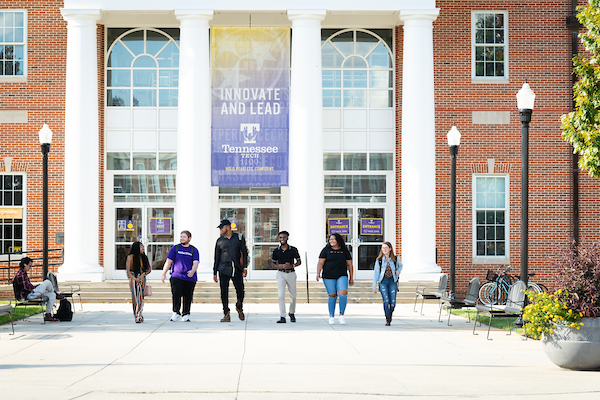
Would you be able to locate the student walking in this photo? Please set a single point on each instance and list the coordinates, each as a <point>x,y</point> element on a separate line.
<point>137,267</point>
<point>231,261</point>
<point>335,261</point>
<point>385,276</point>
<point>184,259</point>
<point>285,258</point>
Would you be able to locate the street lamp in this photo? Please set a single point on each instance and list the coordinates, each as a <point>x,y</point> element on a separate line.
<point>45,141</point>
<point>525,100</point>
<point>453,143</point>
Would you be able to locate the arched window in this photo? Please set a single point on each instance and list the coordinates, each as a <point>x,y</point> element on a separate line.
<point>142,70</point>
<point>358,100</point>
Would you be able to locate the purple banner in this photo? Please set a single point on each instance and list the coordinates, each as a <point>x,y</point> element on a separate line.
<point>160,226</point>
<point>250,95</point>
<point>371,226</point>
<point>338,225</point>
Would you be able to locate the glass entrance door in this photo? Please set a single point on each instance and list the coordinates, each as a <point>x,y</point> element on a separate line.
<point>260,226</point>
<point>151,225</point>
<point>363,230</point>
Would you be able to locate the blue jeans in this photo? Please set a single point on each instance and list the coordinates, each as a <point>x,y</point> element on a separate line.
<point>334,286</point>
<point>388,289</point>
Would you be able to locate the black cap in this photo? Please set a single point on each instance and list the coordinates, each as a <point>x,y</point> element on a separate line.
<point>223,223</point>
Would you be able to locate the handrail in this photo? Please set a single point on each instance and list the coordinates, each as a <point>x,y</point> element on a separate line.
<point>6,265</point>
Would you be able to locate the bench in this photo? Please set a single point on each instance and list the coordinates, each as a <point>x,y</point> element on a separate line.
<point>20,301</point>
<point>6,309</point>
<point>68,294</point>
<point>513,307</point>
<point>458,301</point>
<point>431,293</point>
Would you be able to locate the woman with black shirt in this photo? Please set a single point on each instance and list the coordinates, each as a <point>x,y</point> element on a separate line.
<point>137,267</point>
<point>335,261</point>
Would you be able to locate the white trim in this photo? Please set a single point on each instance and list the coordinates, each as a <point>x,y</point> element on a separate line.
<point>487,79</point>
<point>490,259</point>
<point>18,78</point>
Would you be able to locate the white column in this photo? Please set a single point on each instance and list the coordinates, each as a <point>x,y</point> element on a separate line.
<point>306,207</point>
<point>418,145</point>
<point>81,190</point>
<point>194,194</point>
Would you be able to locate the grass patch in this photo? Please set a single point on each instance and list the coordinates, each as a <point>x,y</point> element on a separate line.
<point>20,313</point>
<point>499,323</point>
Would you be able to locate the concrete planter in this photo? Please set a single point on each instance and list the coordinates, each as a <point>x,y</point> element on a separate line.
<point>575,349</point>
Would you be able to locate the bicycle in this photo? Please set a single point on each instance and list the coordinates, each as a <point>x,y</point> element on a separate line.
<point>535,287</point>
<point>496,290</point>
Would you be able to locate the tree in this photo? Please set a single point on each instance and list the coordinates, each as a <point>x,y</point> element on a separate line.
<point>581,127</point>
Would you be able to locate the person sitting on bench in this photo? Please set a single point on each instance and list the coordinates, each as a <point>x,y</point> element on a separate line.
<point>29,292</point>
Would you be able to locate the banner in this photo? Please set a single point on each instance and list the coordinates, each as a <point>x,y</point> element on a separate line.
<point>338,225</point>
<point>250,96</point>
<point>371,226</point>
<point>160,226</point>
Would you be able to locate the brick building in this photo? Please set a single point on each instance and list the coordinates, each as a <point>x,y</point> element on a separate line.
<point>163,119</point>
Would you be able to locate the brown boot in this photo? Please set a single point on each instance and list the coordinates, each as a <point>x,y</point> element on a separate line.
<point>241,314</point>
<point>226,318</point>
<point>49,318</point>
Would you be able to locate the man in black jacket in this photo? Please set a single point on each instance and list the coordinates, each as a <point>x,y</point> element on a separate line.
<point>231,262</point>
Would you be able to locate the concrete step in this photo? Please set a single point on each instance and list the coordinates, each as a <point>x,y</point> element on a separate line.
<point>209,292</point>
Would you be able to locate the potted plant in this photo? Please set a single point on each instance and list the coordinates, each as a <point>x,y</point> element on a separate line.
<point>567,320</point>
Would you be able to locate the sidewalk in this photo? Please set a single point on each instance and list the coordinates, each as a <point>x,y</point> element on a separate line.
<point>103,354</point>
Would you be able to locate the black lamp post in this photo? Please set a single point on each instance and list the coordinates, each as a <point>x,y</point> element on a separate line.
<point>525,100</point>
<point>45,141</point>
<point>453,143</point>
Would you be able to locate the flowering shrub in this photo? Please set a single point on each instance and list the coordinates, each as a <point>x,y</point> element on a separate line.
<point>546,310</point>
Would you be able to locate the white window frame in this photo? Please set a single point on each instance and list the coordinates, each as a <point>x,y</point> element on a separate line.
<point>492,259</point>
<point>12,78</point>
<point>23,206</point>
<point>489,79</point>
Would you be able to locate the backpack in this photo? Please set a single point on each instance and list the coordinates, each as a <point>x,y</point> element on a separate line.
<point>64,313</point>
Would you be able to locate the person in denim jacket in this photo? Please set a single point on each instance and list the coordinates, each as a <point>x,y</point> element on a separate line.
<point>385,274</point>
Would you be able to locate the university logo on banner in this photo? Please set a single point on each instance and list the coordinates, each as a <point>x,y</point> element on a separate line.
<point>250,117</point>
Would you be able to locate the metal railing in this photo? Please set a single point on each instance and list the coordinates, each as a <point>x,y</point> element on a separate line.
<point>9,263</point>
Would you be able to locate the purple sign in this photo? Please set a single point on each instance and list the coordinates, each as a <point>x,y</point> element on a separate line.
<point>371,226</point>
<point>338,225</point>
<point>160,226</point>
<point>250,96</point>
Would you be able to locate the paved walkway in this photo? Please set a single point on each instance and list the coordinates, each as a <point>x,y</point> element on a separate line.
<point>103,354</point>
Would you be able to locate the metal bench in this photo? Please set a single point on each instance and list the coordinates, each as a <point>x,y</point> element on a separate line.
<point>458,301</point>
<point>431,293</point>
<point>66,293</point>
<point>6,309</point>
<point>21,301</point>
<point>513,307</point>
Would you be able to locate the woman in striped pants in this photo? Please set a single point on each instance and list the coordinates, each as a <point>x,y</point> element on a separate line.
<point>137,267</point>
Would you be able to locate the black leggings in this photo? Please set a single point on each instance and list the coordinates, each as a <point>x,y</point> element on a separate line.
<point>181,288</point>
<point>238,283</point>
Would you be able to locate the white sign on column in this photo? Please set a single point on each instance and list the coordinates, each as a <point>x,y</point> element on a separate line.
<point>194,201</point>
<point>81,262</point>
<point>307,221</point>
<point>418,146</point>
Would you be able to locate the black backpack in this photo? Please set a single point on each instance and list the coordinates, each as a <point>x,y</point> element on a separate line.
<point>64,313</point>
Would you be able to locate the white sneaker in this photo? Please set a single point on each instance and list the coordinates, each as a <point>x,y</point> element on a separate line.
<point>342,320</point>
<point>331,320</point>
<point>176,317</point>
<point>186,318</point>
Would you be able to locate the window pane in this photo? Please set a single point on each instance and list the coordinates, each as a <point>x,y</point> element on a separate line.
<point>481,248</point>
<point>500,233</point>
<point>167,161</point>
<point>144,78</point>
<point>479,53</point>
<point>168,97</point>
<point>144,98</point>
<point>500,200</point>
<point>480,233</point>
<point>499,36</point>
<point>332,79</point>
<point>499,21</point>
<point>355,98</point>
<point>355,79</point>
<point>118,77</point>
<point>18,34</point>
<point>479,36</point>
<point>155,41</point>
<point>490,233</point>
<point>144,161</point>
<point>144,62</point>
<point>499,69</point>
<point>380,57</point>
<point>365,42</point>
<point>18,198</point>
<point>332,162</point>
<point>330,57</point>
<point>490,217</point>
<point>500,217</point>
<point>480,217</point>
<point>355,62</point>
<point>480,200</point>
<point>169,57</point>
<point>490,249</point>
<point>380,98</point>
<point>168,78</point>
<point>118,98</point>
<point>381,79</point>
<point>500,248</point>
<point>160,184</point>
<point>332,98</point>
<point>117,161</point>
<point>355,162</point>
<point>344,43</point>
<point>135,42</point>
<point>381,161</point>
<point>119,57</point>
